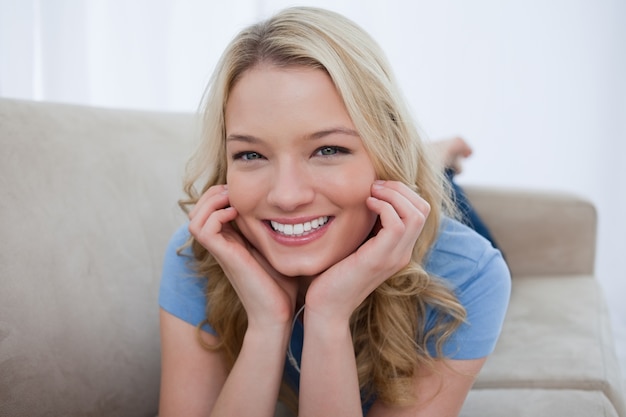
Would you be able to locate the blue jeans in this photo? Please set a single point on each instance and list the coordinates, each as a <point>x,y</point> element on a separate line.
<point>469,216</point>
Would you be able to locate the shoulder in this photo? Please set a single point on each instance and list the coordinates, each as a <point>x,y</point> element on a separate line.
<point>182,290</point>
<point>460,255</point>
<point>480,278</point>
<point>178,256</point>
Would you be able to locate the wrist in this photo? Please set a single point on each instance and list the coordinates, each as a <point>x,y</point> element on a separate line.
<point>321,308</point>
<point>273,321</point>
<point>263,333</point>
<point>326,326</point>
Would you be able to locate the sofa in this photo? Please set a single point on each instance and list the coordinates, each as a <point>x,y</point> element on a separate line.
<point>89,201</point>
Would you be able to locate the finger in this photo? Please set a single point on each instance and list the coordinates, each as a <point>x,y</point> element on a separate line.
<point>210,216</point>
<point>206,232</point>
<point>207,195</point>
<point>392,232</point>
<point>396,236</point>
<point>387,215</point>
<point>402,212</point>
<point>213,199</point>
<point>416,200</point>
<point>402,198</point>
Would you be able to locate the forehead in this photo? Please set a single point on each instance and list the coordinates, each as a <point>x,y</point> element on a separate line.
<point>280,84</point>
<point>268,96</point>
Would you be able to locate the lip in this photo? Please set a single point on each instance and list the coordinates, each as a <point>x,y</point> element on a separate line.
<point>298,240</point>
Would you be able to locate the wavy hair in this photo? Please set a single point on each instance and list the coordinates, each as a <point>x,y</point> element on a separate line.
<point>388,327</point>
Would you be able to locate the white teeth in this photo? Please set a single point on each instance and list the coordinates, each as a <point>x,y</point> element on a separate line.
<point>300,228</point>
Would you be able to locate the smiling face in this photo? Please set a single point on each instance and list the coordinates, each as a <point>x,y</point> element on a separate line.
<point>298,173</point>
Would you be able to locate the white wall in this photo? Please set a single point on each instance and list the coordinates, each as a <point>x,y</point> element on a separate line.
<point>536,86</point>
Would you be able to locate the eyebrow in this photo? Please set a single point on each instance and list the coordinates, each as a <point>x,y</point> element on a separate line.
<point>313,136</point>
<point>336,130</point>
<point>242,138</point>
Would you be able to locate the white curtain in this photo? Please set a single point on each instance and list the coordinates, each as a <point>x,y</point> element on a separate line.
<point>537,87</point>
<point>148,54</point>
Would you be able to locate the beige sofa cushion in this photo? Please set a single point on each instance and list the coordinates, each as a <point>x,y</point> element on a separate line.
<point>541,233</point>
<point>88,205</point>
<point>537,403</point>
<point>556,336</point>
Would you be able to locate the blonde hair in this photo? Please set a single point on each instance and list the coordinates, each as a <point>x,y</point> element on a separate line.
<point>388,328</point>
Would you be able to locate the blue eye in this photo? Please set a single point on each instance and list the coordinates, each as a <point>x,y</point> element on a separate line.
<point>331,150</point>
<point>248,156</point>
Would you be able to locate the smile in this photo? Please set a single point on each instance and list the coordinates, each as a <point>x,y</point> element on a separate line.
<point>299,229</point>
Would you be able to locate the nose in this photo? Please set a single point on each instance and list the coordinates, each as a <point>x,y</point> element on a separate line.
<point>292,185</point>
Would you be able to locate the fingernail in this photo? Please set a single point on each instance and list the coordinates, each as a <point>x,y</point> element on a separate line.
<point>379,183</point>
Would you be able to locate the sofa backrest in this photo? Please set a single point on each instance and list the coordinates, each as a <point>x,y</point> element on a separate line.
<point>88,202</point>
<point>540,233</point>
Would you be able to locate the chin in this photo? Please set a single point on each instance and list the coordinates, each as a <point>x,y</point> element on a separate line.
<point>302,270</point>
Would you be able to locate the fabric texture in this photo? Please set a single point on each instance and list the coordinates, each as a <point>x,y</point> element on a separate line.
<point>537,403</point>
<point>541,233</point>
<point>88,204</point>
<point>571,328</point>
<point>468,213</point>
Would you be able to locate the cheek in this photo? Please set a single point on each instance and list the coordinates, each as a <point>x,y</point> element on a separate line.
<point>350,193</point>
<point>353,188</point>
<point>240,194</point>
<point>355,191</point>
<point>242,197</point>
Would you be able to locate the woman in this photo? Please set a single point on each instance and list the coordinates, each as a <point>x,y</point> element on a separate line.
<point>319,235</point>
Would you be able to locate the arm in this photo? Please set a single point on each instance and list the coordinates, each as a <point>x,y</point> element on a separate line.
<point>440,392</point>
<point>196,381</point>
<point>191,377</point>
<point>328,382</point>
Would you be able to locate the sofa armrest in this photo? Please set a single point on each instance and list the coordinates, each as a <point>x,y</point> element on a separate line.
<point>540,233</point>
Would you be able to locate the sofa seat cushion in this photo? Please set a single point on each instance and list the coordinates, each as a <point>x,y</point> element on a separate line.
<point>556,335</point>
<point>537,403</point>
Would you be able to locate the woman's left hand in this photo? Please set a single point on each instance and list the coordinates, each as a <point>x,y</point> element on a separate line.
<point>337,292</point>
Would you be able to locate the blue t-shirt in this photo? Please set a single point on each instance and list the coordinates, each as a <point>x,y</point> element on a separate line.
<point>466,261</point>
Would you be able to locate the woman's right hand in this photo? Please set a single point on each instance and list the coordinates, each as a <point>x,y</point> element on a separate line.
<point>268,297</point>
